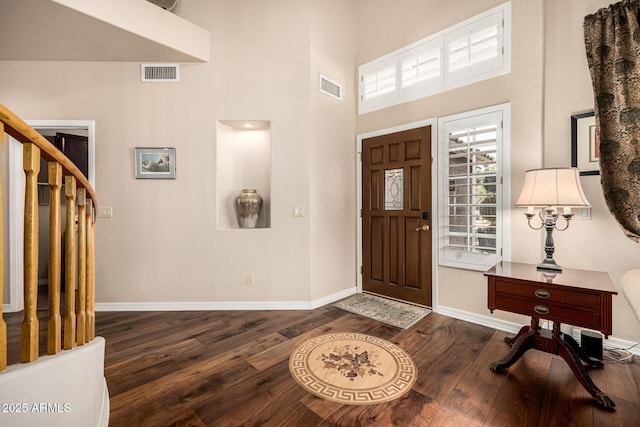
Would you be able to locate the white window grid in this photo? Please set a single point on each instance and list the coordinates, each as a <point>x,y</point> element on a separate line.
<point>472,193</point>
<point>476,49</point>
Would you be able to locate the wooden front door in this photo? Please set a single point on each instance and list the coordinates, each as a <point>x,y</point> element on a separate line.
<point>396,215</point>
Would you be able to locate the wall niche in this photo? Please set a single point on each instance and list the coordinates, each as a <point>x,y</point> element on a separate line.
<point>244,161</point>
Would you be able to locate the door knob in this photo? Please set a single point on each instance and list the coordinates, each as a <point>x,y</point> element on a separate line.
<point>423,228</point>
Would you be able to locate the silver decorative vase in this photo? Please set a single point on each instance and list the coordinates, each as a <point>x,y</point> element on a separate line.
<point>249,204</point>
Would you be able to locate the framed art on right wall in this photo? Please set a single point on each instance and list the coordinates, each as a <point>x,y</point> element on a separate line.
<point>585,145</point>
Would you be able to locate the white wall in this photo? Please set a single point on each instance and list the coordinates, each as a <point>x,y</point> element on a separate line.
<point>66,389</point>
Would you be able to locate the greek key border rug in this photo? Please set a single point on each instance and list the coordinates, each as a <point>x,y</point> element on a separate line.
<point>353,369</point>
<point>385,310</point>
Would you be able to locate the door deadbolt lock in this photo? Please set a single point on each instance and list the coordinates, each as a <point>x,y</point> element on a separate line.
<point>423,228</point>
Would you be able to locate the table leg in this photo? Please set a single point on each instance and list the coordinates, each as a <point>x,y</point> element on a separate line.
<point>512,340</point>
<point>570,355</point>
<point>522,342</point>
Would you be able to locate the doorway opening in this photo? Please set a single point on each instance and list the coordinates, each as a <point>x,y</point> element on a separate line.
<point>77,140</point>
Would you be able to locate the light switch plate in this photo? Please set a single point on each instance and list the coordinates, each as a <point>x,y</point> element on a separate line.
<point>585,213</point>
<point>105,212</point>
<point>298,211</point>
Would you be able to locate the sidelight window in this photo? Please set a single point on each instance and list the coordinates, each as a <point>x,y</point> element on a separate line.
<point>472,193</point>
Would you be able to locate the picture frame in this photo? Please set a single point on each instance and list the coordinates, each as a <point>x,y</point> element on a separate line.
<point>585,146</point>
<point>155,163</point>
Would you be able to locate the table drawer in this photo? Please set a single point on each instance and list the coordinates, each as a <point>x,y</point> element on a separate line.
<point>548,295</point>
<point>545,310</point>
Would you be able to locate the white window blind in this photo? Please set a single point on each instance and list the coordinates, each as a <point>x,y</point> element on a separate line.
<point>421,64</point>
<point>379,81</point>
<point>471,189</point>
<point>476,49</point>
<point>477,46</point>
<point>421,70</point>
<point>378,84</point>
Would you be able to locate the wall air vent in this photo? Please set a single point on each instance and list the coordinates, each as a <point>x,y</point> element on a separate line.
<point>160,72</point>
<point>331,88</point>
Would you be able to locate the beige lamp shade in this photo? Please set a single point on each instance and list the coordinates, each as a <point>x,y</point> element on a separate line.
<point>552,187</point>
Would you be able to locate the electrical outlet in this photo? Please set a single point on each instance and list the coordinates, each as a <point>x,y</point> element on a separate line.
<point>248,279</point>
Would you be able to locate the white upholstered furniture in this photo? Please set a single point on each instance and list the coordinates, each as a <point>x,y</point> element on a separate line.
<point>630,284</point>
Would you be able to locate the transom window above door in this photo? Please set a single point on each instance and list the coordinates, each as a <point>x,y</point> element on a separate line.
<point>476,49</point>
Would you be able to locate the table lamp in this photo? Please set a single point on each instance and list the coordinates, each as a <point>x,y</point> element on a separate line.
<point>549,190</point>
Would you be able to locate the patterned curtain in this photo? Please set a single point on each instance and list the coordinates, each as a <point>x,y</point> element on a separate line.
<point>612,38</point>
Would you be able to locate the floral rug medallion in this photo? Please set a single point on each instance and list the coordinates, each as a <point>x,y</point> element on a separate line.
<point>352,368</point>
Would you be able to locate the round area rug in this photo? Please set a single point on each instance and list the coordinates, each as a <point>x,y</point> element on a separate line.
<point>353,368</point>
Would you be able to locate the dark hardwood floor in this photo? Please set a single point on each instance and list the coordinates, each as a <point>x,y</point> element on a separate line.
<point>230,368</point>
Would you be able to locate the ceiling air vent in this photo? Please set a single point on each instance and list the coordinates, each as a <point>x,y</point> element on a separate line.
<point>160,73</point>
<point>330,87</point>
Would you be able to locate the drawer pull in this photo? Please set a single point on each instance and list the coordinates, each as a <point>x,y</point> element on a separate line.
<point>541,293</point>
<point>541,309</point>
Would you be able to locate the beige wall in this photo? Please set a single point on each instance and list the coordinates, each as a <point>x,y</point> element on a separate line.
<point>549,81</point>
<point>162,244</point>
<point>332,205</point>
<point>598,244</point>
<point>523,88</point>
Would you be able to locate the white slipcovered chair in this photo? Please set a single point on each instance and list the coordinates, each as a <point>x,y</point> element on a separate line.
<point>630,284</point>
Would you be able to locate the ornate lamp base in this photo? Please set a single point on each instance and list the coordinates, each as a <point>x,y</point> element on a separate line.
<point>549,264</point>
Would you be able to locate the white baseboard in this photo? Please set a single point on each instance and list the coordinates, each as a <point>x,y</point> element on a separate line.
<point>333,297</point>
<point>224,305</point>
<point>503,325</point>
<point>478,319</point>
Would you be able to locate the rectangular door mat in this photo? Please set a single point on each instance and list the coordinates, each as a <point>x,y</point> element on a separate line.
<point>392,312</point>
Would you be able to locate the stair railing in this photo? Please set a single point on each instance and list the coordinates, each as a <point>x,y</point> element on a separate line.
<point>77,326</point>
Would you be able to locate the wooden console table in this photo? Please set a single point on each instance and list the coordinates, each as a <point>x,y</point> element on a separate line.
<point>577,297</point>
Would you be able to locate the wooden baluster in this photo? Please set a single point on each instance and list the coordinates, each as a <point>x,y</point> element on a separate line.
<point>29,344</point>
<point>70,264</point>
<point>3,324</point>
<point>82,267</point>
<point>91,319</point>
<point>54,325</point>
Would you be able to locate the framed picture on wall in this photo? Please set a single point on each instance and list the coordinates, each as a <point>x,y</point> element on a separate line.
<point>155,163</point>
<point>585,145</point>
